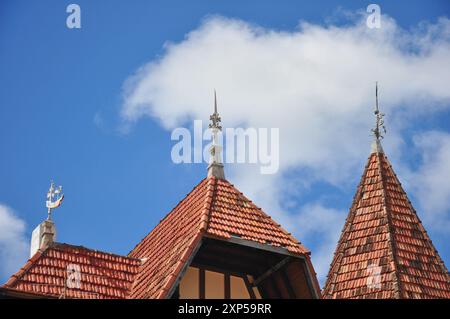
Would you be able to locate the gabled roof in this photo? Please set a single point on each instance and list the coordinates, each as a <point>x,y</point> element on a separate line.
<point>384,236</point>
<point>103,275</point>
<point>214,208</point>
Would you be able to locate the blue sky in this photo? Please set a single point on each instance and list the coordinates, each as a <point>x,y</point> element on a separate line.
<point>62,98</point>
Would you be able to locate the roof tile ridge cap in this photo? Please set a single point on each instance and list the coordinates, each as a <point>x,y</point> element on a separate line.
<point>422,228</point>
<point>167,215</point>
<point>345,232</point>
<point>180,263</point>
<point>25,268</point>
<point>270,219</point>
<point>305,250</point>
<point>134,282</point>
<point>179,266</point>
<point>211,192</point>
<point>60,246</point>
<point>398,291</point>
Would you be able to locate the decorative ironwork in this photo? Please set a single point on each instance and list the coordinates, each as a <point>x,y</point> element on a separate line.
<point>215,118</point>
<point>379,129</point>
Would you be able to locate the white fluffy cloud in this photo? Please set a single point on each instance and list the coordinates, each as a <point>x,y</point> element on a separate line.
<point>324,224</point>
<point>316,84</point>
<point>14,245</point>
<point>431,181</point>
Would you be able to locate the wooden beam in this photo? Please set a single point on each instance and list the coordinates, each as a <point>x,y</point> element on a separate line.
<point>249,288</point>
<point>271,271</point>
<point>230,265</point>
<point>256,245</point>
<point>233,251</point>
<point>201,283</point>
<point>227,286</point>
<point>222,256</point>
<point>309,280</point>
<point>216,269</point>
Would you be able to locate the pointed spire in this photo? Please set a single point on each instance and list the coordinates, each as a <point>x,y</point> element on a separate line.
<point>373,257</point>
<point>215,102</point>
<point>379,128</point>
<point>215,167</point>
<point>215,118</point>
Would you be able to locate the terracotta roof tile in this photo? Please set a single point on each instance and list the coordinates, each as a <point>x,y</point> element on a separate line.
<point>103,275</point>
<point>383,229</point>
<point>213,208</point>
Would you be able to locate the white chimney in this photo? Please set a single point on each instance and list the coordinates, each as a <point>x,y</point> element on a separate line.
<point>43,236</point>
<point>45,233</point>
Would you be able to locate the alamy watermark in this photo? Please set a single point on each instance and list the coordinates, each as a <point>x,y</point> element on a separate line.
<point>374,18</point>
<point>73,276</point>
<point>374,278</point>
<point>73,20</point>
<point>250,145</point>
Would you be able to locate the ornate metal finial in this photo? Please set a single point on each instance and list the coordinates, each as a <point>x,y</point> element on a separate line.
<point>215,118</point>
<point>54,199</point>
<point>379,129</point>
<point>215,167</point>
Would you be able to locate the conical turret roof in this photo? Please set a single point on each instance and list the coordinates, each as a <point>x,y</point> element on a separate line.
<point>384,251</point>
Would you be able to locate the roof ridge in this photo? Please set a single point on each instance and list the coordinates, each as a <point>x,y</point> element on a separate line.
<point>209,199</point>
<point>429,242</point>
<point>176,274</point>
<point>174,209</point>
<point>25,268</point>
<point>57,245</point>
<point>260,213</point>
<point>393,251</point>
<point>192,213</point>
<point>204,219</point>
<point>44,273</point>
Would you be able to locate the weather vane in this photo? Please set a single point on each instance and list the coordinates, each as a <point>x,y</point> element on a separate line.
<point>379,118</point>
<point>54,199</point>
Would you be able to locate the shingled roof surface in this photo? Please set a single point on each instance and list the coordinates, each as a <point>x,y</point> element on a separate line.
<point>214,208</point>
<point>384,251</point>
<point>103,275</point>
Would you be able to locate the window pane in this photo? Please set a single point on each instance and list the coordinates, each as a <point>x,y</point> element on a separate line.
<point>189,285</point>
<point>238,288</point>
<point>214,285</point>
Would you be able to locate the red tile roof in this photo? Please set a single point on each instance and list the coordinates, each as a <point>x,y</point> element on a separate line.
<point>383,235</point>
<point>214,208</point>
<point>103,275</point>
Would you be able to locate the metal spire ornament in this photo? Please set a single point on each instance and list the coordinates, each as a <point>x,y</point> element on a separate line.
<point>215,118</point>
<point>54,199</point>
<point>215,167</point>
<point>379,130</point>
<point>379,122</point>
